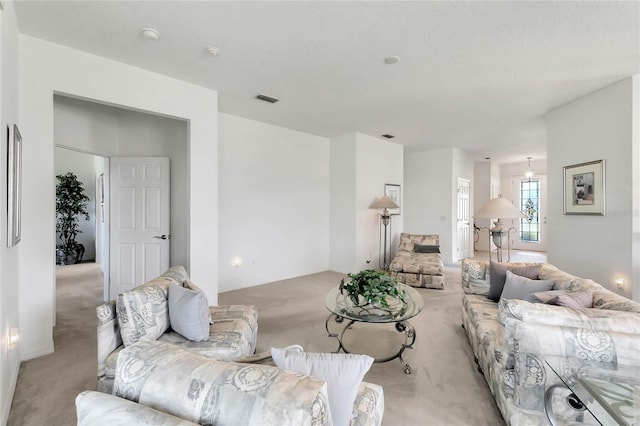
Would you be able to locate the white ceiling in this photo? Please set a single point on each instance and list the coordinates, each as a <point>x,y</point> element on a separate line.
<point>475,75</point>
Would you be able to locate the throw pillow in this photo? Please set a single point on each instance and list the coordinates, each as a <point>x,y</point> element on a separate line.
<point>578,299</point>
<point>189,313</point>
<point>342,372</point>
<point>517,287</point>
<point>419,248</point>
<point>543,296</point>
<point>498,275</point>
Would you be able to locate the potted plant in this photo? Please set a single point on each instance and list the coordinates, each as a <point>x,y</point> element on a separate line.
<point>71,202</point>
<point>370,290</point>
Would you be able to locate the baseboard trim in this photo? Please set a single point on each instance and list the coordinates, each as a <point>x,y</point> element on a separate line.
<point>37,353</point>
<point>6,404</point>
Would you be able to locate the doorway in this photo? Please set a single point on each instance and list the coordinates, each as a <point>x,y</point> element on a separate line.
<point>530,196</point>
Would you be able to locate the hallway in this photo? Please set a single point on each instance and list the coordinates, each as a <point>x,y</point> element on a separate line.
<point>49,384</point>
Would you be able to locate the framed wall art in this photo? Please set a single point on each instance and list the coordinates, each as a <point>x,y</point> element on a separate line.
<point>14,185</point>
<point>393,191</point>
<point>584,191</point>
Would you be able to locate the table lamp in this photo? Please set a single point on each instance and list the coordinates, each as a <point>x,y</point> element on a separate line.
<point>499,208</point>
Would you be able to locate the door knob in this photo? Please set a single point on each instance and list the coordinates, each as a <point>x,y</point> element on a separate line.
<point>162,237</point>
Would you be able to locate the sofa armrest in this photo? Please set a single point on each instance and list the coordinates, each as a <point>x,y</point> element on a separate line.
<point>108,332</point>
<point>475,276</point>
<point>368,407</point>
<point>99,409</point>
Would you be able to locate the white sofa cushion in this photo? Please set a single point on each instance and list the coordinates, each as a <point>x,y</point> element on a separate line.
<point>342,372</point>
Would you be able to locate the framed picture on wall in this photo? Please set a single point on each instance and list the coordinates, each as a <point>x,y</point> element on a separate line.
<point>14,185</point>
<point>584,191</point>
<point>393,192</point>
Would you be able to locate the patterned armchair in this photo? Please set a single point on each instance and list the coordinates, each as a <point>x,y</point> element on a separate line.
<point>142,314</point>
<point>418,262</point>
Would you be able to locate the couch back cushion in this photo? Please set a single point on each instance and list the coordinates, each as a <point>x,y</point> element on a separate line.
<point>407,241</point>
<point>602,298</point>
<point>143,312</point>
<point>208,391</point>
<point>605,299</point>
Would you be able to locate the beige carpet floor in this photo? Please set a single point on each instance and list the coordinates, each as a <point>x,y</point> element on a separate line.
<point>444,388</point>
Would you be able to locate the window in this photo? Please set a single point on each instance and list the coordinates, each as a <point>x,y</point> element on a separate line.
<point>530,206</point>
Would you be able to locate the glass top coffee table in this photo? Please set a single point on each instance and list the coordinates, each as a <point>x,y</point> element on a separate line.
<point>611,393</point>
<point>341,309</point>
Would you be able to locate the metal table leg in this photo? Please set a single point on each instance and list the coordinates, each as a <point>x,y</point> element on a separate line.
<point>401,326</point>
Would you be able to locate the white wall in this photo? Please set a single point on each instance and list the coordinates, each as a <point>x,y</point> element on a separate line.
<point>360,167</point>
<point>482,184</point>
<point>118,132</point>
<point>274,203</point>
<point>47,68</point>
<point>342,232</point>
<point>599,126</point>
<point>10,278</point>
<point>83,166</point>
<point>431,179</point>
<point>378,162</point>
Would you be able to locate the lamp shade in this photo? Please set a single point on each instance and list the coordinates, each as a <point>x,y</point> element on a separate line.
<point>384,202</point>
<point>499,208</point>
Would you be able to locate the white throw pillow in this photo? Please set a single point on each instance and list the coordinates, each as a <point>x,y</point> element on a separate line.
<point>189,313</point>
<point>342,372</point>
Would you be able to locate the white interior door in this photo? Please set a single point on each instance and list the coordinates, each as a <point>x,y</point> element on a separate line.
<point>530,196</point>
<point>140,209</point>
<point>463,235</point>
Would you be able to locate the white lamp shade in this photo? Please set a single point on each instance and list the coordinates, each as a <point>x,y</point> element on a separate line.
<point>499,208</point>
<point>384,202</point>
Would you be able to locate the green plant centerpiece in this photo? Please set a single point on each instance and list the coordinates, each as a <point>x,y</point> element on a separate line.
<point>374,292</point>
<point>71,203</point>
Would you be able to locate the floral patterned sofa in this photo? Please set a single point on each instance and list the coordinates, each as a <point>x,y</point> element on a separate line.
<point>418,262</point>
<point>157,383</point>
<point>142,314</point>
<point>511,338</point>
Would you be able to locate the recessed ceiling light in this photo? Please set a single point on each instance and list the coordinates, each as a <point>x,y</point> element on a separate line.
<point>150,33</point>
<point>487,158</point>
<point>266,98</point>
<point>213,51</point>
<point>388,136</point>
<point>390,60</point>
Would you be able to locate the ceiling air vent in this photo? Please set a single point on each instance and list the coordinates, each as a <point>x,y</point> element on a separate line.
<point>267,98</point>
<point>388,136</point>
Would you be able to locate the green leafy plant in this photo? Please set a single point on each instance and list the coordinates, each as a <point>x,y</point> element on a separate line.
<point>71,202</point>
<point>374,286</point>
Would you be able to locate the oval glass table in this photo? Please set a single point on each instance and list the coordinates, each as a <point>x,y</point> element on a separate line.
<point>342,308</point>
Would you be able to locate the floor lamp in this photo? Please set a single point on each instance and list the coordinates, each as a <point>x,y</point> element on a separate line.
<point>499,208</point>
<point>384,203</point>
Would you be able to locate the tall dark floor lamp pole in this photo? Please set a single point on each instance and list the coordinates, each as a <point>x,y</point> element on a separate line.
<point>384,203</point>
